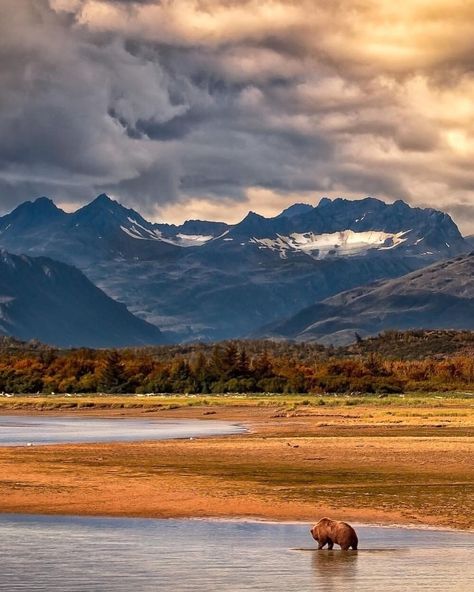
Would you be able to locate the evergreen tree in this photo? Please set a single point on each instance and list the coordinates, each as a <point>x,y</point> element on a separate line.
<point>111,374</point>
<point>242,366</point>
<point>262,366</point>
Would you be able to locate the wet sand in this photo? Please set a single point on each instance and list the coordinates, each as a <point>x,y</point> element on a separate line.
<point>393,465</point>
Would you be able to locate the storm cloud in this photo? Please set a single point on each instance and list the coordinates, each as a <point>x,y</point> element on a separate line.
<point>177,106</point>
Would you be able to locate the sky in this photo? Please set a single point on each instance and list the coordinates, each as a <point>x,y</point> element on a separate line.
<point>211,108</point>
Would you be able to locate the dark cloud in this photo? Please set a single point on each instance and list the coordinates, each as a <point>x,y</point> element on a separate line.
<point>170,102</point>
<point>158,184</point>
<point>174,129</point>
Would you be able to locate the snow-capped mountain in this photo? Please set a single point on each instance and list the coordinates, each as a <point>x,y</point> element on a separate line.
<point>347,228</point>
<point>210,280</point>
<point>104,216</point>
<point>103,229</point>
<point>56,304</point>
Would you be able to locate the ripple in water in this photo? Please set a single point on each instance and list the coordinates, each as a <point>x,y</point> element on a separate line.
<point>124,555</point>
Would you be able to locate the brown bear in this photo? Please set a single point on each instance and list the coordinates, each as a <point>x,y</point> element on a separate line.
<point>327,532</point>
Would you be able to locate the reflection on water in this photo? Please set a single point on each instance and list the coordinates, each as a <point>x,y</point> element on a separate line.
<point>24,430</point>
<point>334,569</point>
<point>127,555</point>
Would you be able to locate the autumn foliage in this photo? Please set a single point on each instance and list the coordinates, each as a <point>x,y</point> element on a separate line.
<point>234,367</point>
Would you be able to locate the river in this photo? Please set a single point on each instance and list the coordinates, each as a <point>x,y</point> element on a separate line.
<point>18,430</point>
<point>72,554</point>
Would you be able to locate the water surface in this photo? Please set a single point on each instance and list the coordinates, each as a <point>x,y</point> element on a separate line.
<point>128,555</point>
<point>24,430</point>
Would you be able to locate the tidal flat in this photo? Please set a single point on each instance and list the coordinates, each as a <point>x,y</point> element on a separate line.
<point>382,461</point>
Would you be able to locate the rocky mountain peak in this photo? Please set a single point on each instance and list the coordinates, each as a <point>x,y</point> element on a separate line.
<point>296,209</point>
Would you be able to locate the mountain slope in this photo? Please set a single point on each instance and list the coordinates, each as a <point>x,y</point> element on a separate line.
<point>440,296</point>
<point>215,297</point>
<point>192,233</point>
<point>32,227</point>
<point>55,303</point>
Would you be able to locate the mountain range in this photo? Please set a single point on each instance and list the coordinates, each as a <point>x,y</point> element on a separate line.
<point>55,303</point>
<point>106,230</point>
<point>346,228</point>
<point>211,280</point>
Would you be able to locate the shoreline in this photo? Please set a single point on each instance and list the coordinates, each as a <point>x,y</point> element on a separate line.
<point>376,466</point>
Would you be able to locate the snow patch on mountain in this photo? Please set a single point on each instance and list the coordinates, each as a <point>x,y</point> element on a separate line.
<point>345,243</point>
<point>139,233</point>
<point>137,230</point>
<point>192,240</point>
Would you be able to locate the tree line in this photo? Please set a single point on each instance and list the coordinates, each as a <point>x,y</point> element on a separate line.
<point>231,367</point>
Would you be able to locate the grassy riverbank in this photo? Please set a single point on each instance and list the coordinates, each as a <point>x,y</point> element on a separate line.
<point>156,402</point>
<point>389,459</point>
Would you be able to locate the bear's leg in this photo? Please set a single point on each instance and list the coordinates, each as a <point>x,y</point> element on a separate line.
<point>330,544</point>
<point>322,542</point>
<point>345,547</point>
